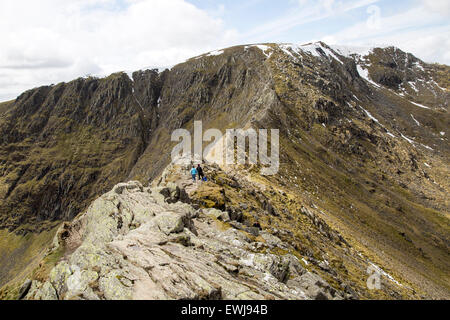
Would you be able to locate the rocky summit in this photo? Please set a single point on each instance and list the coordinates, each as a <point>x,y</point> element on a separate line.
<point>92,208</point>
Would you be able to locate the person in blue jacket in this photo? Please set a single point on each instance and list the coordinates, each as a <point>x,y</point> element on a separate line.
<point>193,173</point>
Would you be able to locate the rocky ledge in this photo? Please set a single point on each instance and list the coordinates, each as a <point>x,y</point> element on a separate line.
<point>144,243</point>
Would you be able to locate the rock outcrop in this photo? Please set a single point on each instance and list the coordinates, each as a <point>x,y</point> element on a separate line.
<point>133,244</point>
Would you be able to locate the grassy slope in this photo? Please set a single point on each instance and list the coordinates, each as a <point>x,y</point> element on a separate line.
<point>386,218</point>
<point>19,257</point>
<point>295,228</point>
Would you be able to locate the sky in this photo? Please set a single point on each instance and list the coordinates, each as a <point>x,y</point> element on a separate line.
<point>49,41</point>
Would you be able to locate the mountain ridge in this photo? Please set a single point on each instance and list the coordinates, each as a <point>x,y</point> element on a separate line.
<point>363,138</point>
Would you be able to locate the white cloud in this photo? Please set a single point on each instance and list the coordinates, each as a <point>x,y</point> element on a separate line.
<point>307,12</point>
<point>440,6</point>
<point>413,30</point>
<point>48,41</point>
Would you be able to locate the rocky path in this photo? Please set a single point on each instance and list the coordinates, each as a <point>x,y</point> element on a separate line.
<point>147,243</point>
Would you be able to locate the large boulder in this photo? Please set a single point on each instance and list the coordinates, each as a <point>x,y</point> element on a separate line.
<point>314,286</point>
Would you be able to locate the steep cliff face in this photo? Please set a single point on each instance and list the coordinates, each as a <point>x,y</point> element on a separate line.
<point>63,145</point>
<point>223,91</point>
<point>363,143</point>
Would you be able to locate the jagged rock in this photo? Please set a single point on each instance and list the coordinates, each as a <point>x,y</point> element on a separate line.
<point>278,267</point>
<point>218,214</point>
<point>23,291</point>
<point>349,293</point>
<point>314,287</point>
<point>127,186</point>
<point>162,258</point>
<point>295,267</point>
<point>46,292</point>
<point>235,214</point>
<point>169,222</point>
<point>269,208</point>
<point>78,284</point>
<point>253,231</point>
<point>271,240</point>
<point>173,193</point>
<point>243,206</point>
<point>59,276</point>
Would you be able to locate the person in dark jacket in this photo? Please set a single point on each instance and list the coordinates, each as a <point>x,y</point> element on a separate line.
<point>200,172</point>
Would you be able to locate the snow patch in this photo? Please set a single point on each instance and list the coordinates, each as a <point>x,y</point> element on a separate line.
<point>215,53</point>
<point>314,50</point>
<point>417,122</point>
<point>265,48</point>
<point>364,73</point>
<point>376,120</point>
<point>349,51</point>
<point>370,116</point>
<point>288,47</point>
<point>413,86</point>
<point>384,273</point>
<point>407,139</point>
<point>436,84</point>
<point>311,48</point>
<point>390,134</point>
<point>420,105</point>
<point>130,75</point>
<point>418,66</point>
<point>159,102</point>
<point>330,53</point>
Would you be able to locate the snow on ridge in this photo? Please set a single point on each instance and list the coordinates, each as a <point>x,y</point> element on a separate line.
<point>210,54</point>
<point>413,86</point>
<point>418,66</point>
<point>364,73</point>
<point>417,122</point>
<point>384,273</point>
<point>420,105</point>
<point>309,48</point>
<point>286,46</point>
<point>407,139</point>
<point>370,116</point>
<point>312,48</point>
<point>329,52</point>
<point>215,53</point>
<point>427,147</point>
<point>129,74</point>
<point>349,51</point>
<point>437,85</point>
<point>261,47</point>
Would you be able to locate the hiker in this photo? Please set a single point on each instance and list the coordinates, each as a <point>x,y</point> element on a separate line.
<point>193,173</point>
<point>200,173</point>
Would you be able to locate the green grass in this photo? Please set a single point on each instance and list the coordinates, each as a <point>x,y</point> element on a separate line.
<point>20,256</point>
